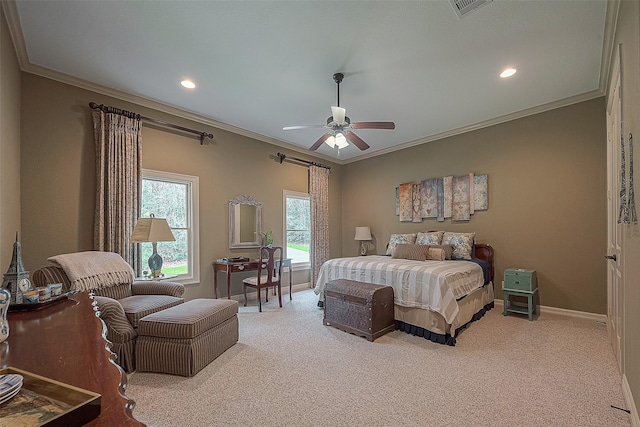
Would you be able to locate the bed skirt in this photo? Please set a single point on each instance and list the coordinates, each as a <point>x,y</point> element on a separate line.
<point>432,326</point>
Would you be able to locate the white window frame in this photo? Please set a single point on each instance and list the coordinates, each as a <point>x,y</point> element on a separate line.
<point>193,221</point>
<point>294,194</point>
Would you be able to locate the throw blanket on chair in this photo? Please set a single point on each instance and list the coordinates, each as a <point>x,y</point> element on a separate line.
<point>93,269</point>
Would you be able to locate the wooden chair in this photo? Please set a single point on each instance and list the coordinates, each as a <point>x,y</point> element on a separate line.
<point>269,275</point>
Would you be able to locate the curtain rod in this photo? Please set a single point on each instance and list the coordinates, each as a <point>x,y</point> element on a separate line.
<point>107,109</point>
<point>284,157</point>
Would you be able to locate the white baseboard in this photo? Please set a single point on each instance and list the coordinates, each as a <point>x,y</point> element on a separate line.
<point>285,290</point>
<point>628,398</point>
<point>565,312</point>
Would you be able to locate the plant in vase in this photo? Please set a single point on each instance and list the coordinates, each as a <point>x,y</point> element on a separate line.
<point>267,238</point>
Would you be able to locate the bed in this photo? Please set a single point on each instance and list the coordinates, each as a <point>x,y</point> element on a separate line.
<point>432,299</point>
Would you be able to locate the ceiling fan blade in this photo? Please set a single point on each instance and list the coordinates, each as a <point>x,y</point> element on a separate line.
<point>319,142</point>
<point>356,140</point>
<point>302,127</point>
<point>373,125</point>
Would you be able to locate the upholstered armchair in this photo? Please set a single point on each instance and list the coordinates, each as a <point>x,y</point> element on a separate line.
<point>121,301</point>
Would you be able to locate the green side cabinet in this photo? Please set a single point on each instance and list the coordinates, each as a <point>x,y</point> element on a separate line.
<point>520,279</point>
<point>520,282</point>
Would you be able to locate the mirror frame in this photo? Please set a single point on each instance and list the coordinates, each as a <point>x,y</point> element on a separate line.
<point>244,200</point>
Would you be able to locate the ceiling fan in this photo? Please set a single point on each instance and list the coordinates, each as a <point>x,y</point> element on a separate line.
<point>340,126</point>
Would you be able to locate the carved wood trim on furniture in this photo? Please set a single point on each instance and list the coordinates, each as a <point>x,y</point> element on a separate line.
<point>485,252</point>
<point>66,342</point>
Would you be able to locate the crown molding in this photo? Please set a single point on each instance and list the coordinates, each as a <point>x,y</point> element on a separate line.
<point>611,19</point>
<point>15,30</point>
<point>162,107</point>
<point>13,21</point>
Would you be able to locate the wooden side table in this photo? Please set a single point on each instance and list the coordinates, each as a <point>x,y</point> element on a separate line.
<point>532,302</point>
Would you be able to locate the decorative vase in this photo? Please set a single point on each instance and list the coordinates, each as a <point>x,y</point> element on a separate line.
<point>5,299</point>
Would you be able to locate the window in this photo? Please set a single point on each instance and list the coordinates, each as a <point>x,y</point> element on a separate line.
<point>297,226</point>
<point>174,197</point>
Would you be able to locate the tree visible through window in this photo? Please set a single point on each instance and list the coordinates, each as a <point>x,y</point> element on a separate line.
<point>297,226</point>
<point>173,197</point>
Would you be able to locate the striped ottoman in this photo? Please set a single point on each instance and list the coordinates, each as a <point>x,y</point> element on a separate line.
<point>183,339</point>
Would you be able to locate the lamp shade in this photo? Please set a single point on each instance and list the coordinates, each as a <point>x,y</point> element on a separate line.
<point>363,233</point>
<point>152,230</point>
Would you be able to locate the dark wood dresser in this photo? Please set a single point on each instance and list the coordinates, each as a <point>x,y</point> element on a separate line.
<point>66,342</point>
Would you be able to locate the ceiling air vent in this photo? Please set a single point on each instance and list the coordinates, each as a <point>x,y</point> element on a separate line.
<point>464,7</point>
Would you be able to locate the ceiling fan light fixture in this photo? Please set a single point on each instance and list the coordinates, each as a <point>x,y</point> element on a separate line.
<point>339,114</point>
<point>340,126</point>
<point>331,141</point>
<point>341,141</point>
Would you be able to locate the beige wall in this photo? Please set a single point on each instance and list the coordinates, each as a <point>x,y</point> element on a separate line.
<point>58,178</point>
<point>9,145</point>
<point>627,36</point>
<point>547,198</point>
<point>546,172</point>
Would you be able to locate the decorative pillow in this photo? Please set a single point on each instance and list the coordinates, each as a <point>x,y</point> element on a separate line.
<point>462,244</point>
<point>436,254</point>
<point>400,238</point>
<point>448,250</point>
<point>429,238</point>
<point>410,251</point>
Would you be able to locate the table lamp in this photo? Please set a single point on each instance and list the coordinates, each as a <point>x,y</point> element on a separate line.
<point>363,234</point>
<point>153,230</point>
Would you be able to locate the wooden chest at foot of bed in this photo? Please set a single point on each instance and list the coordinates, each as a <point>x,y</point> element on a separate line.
<point>363,309</point>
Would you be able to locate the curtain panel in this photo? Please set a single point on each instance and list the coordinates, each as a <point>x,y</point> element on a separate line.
<point>118,144</point>
<point>319,192</point>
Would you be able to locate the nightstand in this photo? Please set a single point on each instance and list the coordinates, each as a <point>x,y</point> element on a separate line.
<point>524,283</point>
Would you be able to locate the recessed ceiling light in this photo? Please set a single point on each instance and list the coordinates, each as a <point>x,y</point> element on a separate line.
<point>508,72</point>
<point>188,84</point>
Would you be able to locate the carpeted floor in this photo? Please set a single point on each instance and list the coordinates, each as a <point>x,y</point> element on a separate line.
<point>290,370</point>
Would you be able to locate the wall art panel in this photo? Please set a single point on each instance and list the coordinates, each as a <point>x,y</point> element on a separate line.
<point>440,186</point>
<point>460,210</point>
<point>448,195</point>
<point>406,202</point>
<point>480,193</point>
<point>471,204</point>
<point>417,203</point>
<point>429,196</point>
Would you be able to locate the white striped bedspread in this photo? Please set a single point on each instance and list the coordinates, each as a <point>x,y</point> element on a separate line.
<point>433,285</point>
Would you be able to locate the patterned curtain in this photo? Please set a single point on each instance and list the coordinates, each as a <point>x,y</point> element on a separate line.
<point>319,192</point>
<point>118,142</point>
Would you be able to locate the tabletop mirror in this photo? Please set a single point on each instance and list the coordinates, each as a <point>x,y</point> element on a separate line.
<point>245,221</point>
